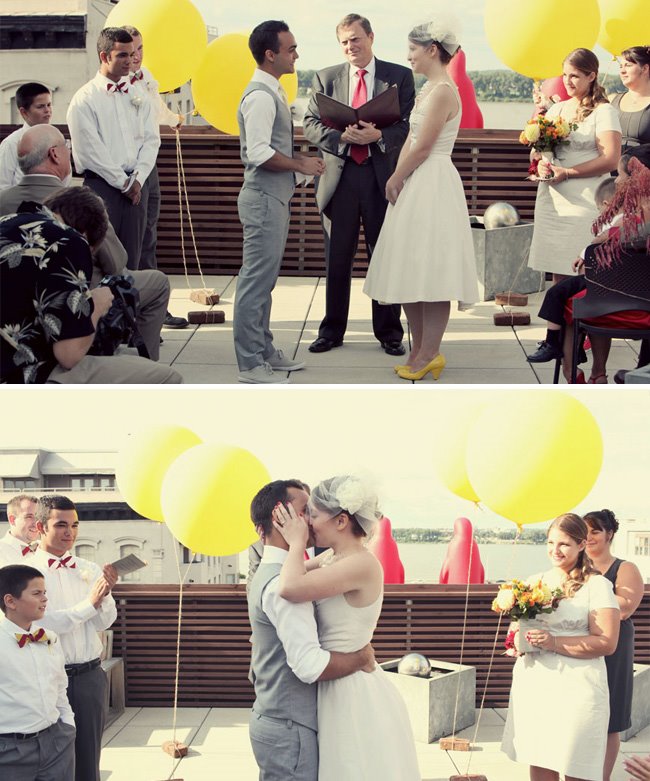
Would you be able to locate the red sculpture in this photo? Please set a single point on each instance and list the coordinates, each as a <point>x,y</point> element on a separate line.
<point>456,567</point>
<point>385,549</point>
<point>471,116</point>
<point>547,93</point>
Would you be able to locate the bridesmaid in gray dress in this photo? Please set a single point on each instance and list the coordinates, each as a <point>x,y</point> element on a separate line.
<point>628,588</point>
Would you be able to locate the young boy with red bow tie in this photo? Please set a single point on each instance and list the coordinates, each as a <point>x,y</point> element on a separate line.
<point>37,730</point>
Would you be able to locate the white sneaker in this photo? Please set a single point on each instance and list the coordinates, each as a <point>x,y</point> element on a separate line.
<point>280,362</point>
<point>262,374</point>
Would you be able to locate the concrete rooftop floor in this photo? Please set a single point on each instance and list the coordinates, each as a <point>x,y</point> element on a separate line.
<point>477,351</point>
<point>220,749</point>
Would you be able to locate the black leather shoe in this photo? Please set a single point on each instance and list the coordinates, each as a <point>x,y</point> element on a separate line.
<point>393,348</point>
<point>544,353</point>
<point>175,322</point>
<point>323,344</point>
<point>619,377</point>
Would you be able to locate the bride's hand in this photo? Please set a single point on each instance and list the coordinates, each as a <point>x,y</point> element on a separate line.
<point>393,188</point>
<point>539,638</point>
<point>291,526</point>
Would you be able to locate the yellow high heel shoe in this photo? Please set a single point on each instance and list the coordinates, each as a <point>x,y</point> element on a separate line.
<point>435,367</point>
<point>398,368</point>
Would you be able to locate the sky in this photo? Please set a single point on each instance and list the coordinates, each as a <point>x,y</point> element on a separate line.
<point>314,25</point>
<point>386,435</point>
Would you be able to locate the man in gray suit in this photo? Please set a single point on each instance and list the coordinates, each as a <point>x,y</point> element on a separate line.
<point>286,655</point>
<point>44,158</point>
<point>359,163</point>
<point>270,167</point>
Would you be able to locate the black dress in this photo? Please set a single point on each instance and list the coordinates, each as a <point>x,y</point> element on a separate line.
<point>620,669</point>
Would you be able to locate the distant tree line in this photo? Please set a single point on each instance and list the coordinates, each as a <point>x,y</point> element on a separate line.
<point>498,86</point>
<point>529,536</point>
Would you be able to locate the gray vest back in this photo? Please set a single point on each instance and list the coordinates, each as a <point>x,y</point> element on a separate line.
<point>279,184</point>
<point>278,693</point>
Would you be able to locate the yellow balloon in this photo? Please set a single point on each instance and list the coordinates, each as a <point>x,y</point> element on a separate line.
<point>450,450</point>
<point>143,462</point>
<point>547,475</point>
<point>534,40</point>
<point>174,37</point>
<point>206,498</point>
<point>217,98</point>
<point>624,23</point>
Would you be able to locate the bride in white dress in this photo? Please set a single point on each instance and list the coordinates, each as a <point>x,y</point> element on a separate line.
<point>424,256</point>
<point>559,702</point>
<point>364,733</point>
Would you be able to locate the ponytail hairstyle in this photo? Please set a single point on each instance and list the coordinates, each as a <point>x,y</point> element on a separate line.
<point>577,529</point>
<point>587,62</point>
<point>602,521</point>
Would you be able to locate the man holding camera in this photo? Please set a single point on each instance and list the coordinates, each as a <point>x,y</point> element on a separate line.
<point>48,315</point>
<point>44,158</point>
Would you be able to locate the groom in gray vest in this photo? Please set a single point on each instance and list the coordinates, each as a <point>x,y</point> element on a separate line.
<point>286,655</point>
<point>270,168</point>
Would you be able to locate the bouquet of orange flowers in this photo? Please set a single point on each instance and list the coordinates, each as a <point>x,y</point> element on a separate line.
<point>545,135</point>
<point>518,599</point>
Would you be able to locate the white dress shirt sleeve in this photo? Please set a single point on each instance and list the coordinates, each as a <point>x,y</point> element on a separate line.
<point>10,173</point>
<point>62,705</point>
<point>162,113</point>
<point>66,619</point>
<point>298,633</point>
<point>89,150</point>
<point>258,110</point>
<point>106,614</point>
<point>148,153</point>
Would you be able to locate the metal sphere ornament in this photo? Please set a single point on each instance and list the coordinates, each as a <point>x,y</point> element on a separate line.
<point>500,215</point>
<point>414,664</point>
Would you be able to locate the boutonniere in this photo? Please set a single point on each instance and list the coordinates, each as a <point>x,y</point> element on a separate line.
<point>136,101</point>
<point>85,574</point>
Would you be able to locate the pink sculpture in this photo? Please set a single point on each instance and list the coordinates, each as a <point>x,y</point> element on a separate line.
<point>456,567</point>
<point>471,116</point>
<point>385,549</point>
<point>548,92</point>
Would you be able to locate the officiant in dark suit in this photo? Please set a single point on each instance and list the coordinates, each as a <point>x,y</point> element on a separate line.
<point>359,162</point>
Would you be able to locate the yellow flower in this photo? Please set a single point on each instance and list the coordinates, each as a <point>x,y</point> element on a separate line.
<point>562,127</point>
<point>531,132</point>
<point>505,600</point>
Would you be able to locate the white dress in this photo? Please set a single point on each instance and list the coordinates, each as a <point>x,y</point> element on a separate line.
<point>425,250</point>
<point>364,733</point>
<point>564,212</point>
<point>559,705</point>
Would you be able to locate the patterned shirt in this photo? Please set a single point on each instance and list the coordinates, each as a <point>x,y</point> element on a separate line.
<point>45,270</point>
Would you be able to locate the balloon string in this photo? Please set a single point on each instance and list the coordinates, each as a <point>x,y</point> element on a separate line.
<point>181,580</point>
<point>462,641</point>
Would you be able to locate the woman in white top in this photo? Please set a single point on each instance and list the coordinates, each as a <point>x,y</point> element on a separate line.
<point>559,701</point>
<point>566,208</point>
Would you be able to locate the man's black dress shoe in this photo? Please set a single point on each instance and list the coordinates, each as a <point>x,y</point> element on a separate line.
<point>393,348</point>
<point>175,322</point>
<point>544,353</point>
<point>619,377</point>
<point>323,344</point>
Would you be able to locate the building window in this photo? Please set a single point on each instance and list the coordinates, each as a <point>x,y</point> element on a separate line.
<point>642,545</point>
<point>187,557</point>
<point>92,482</point>
<point>127,550</point>
<point>85,552</point>
<point>19,484</point>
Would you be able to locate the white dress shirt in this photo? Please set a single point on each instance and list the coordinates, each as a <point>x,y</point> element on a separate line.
<point>10,173</point>
<point>69,610</point>
<point>369,78</point>
<point>295,624</point>
<point>33,682</point>
<point>113,133</point>
<point>258,109</point>
<point>11,551</point>
<point>148,87</point>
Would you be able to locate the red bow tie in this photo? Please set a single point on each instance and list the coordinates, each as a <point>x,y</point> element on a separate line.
<point>118,86</point>
<point>61,563</point>
<point>37,637</point>
<point>137,76</point>
<point>27,549</point>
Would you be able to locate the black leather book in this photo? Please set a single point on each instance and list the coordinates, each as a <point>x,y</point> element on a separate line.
<point>382,110</point>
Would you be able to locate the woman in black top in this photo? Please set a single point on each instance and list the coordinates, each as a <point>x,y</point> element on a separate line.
<point>628,588</point>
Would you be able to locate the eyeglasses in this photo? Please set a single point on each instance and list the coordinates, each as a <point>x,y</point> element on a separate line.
<point>66,143</point>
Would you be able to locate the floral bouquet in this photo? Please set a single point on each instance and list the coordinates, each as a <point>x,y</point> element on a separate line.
<point>545,136</point>
<point>522,601</point>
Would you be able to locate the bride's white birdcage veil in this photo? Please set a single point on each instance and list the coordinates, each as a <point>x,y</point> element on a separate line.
<point>350,494</point>
<point>443,29</point>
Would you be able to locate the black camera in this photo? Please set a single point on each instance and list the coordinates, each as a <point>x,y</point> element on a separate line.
<point>118,326</point>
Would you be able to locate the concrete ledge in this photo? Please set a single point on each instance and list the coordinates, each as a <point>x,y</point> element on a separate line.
<point>640,701</point>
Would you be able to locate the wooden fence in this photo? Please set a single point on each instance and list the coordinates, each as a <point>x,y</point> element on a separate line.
<point>215,649</point>
<point>492,165</point>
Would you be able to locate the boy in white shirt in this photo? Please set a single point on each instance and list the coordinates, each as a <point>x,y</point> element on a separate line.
<point>37,730</point>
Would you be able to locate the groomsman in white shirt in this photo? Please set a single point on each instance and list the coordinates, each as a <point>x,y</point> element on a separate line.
<point>37,730</point>
<point>115,140</point>
<point>20,542</point>
<point>34,102</point>
<point>80,605</point>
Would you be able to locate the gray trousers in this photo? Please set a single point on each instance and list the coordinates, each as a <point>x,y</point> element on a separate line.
<point>128,221</point>
<point>284,750</point>
<point>266,223</point>
<point>88,695</point>
<point>148,254</point>
<point>115,370</point>
<point>153,287</point>
<point>47,757</point>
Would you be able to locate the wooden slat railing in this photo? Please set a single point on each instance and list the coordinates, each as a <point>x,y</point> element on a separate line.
<point>492,165</point>
<point>215,649</point>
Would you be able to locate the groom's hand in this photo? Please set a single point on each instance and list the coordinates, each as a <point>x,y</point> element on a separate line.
<point>368,659</point>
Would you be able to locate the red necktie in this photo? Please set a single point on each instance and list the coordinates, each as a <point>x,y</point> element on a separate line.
<point>37,637</point>
<point>136,76</point>
<point>358,152</point>
<point>61,563</point>
<point>118,86</point>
